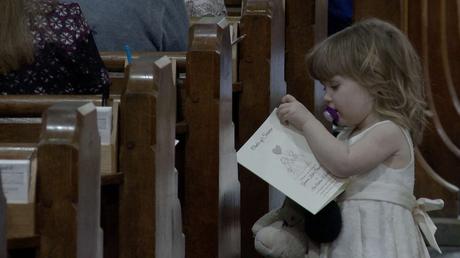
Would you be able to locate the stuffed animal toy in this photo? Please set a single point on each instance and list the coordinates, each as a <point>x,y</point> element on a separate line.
<point>285,232</point>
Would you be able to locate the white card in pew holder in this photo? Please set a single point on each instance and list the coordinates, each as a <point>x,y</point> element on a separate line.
<point>15,180</point>
<point>281,156</point>
<point>104,124</point>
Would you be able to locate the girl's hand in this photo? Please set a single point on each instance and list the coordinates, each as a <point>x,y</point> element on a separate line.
<point>293,112</point>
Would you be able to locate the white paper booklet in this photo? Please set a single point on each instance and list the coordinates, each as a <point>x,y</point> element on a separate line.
<point>281,156</point>
<point>15,180</point>
<point>104,124</point>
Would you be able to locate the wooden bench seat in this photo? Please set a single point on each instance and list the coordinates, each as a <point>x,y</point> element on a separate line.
<point>68,188</point>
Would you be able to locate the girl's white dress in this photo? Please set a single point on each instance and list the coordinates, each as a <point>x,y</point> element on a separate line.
<point>378,210</point>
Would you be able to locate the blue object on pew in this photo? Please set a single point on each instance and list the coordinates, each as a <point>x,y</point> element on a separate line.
<point>129,56</point>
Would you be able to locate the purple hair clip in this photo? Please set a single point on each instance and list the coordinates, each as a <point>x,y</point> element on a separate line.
<point>331,115</point>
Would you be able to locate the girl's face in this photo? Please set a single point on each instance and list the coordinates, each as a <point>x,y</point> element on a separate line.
<point>352,101</point>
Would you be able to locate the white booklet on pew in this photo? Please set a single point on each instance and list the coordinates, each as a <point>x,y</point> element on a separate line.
<point>104,124</point>
<point>281,156</point>
<point>18,181</point>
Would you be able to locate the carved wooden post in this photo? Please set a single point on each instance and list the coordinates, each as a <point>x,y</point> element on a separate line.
<point>68,187</point>
<point>150,215</point>
<point>261,70</point>
<point>211,187</point>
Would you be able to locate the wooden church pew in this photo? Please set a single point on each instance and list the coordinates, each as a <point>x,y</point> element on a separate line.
<point>207,160</point>
<point>258,85</point>
<point>205,155</point>
<point>23,126</point>
<point>139,120</point>
<point>269,68</point>
<point>67,197</point>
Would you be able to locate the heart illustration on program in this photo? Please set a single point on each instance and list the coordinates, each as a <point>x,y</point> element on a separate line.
<point>277,150</point>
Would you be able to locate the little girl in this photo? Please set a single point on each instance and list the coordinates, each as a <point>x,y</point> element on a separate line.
<point>373,82</point>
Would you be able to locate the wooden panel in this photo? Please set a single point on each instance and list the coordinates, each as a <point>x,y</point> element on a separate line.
<point>20,130</point>
<point>232,2</point>
<point>233,7</point>
<point>439,83</point>
<point>68,187</point>
<point>300,37</point>
<point>436,145</point>
<point>388,10</point>
<point>35,105</point>
<point>211,188</point>
<point>431,185</point>
<point>20,114</point>
<point>451,35</point>
<point>31,242</point>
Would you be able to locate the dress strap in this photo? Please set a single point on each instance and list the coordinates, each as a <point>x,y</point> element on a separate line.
<point>377,191</point>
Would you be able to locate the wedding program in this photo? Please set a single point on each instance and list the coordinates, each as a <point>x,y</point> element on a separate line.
<point>280,155</point>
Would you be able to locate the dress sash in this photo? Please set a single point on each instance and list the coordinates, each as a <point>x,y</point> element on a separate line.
<point>377,191</point>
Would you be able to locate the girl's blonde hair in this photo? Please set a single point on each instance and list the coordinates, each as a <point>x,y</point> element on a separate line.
<point>16,47</point>
<point>380,58</point>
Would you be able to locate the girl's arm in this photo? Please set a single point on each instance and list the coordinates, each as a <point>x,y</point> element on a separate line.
<point>339,158</point>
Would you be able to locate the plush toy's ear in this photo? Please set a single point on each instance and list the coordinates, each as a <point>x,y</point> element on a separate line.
<point>325,226</point>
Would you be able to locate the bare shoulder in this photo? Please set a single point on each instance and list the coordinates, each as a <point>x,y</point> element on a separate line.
<point>386,138</point>
<point>387,132</point>
<point>390,136</point>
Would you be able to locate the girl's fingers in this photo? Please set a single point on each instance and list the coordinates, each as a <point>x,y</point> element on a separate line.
<point>283,110</point>
<point>283,115</point>
<point>287,98</point>
<point>283,106</point>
